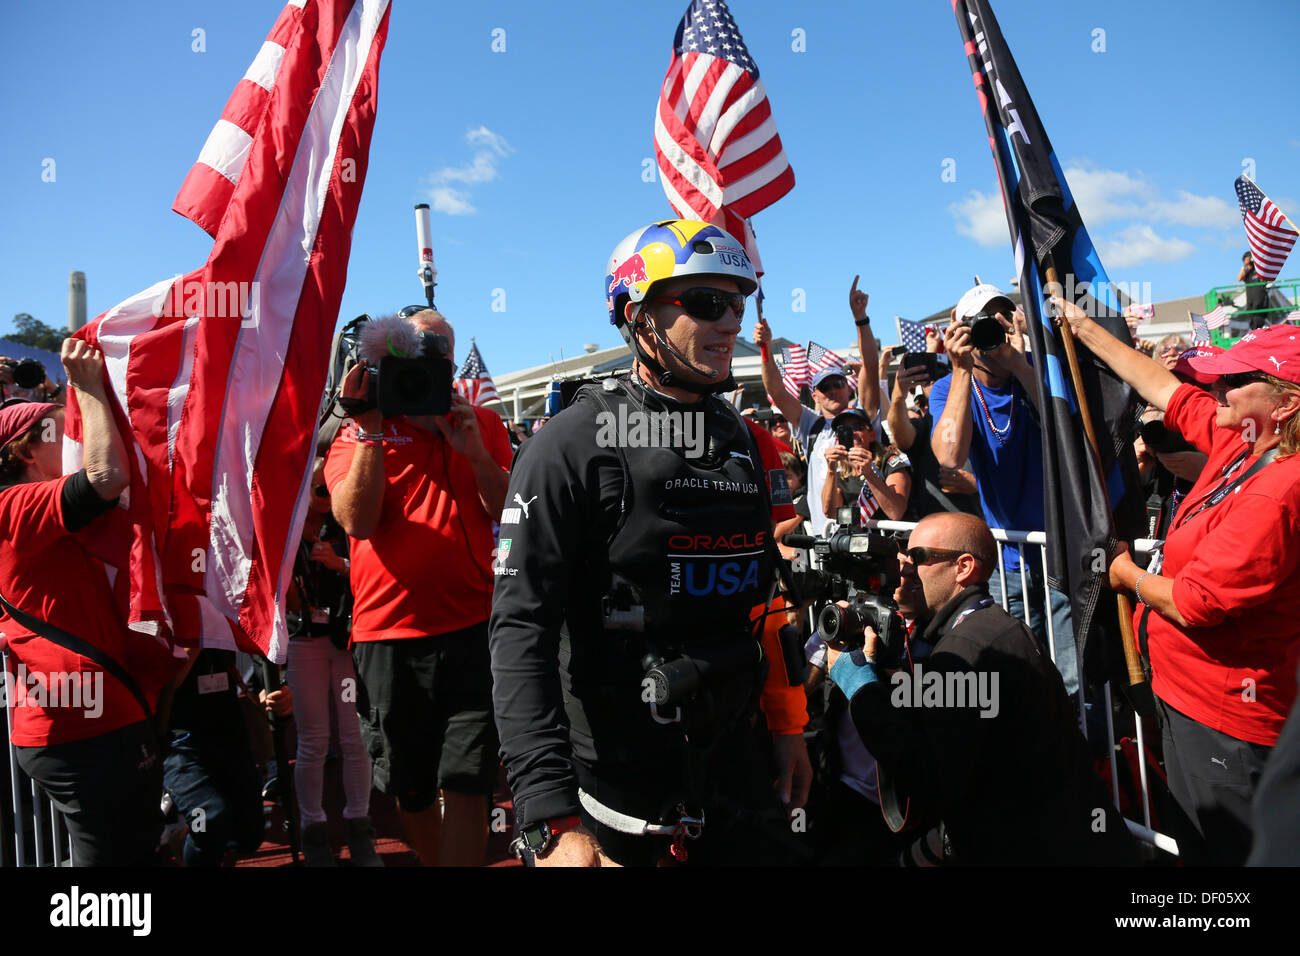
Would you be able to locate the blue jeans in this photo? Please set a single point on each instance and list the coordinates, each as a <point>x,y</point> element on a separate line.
<point>1067,658</point>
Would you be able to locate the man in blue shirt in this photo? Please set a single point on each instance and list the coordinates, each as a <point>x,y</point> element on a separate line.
<point>986,410</point>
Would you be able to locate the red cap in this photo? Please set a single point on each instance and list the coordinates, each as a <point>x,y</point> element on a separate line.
<point>1275,350</point>
<point>1183,369</point>
<point>17,418</point>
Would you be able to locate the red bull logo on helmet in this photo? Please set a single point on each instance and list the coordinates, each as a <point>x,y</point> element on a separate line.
<point>629,273</point>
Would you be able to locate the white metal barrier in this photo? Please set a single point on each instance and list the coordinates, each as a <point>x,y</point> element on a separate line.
<point>38,835</point>
<point>1143,830</point>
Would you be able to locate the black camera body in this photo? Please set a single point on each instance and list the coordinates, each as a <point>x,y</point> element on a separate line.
<point>763,415</point>
<point>27,373</point>
<point>418,384</point>
<point>844,435</point>
<point>986,333</point>
<point>846,625</point>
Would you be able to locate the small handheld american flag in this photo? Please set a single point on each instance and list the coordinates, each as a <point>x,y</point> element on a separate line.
<point>794,369</point>
<point>1267,229</point>
<point>912,335</point>
<point>474,383</point>
<point>1200,331</point>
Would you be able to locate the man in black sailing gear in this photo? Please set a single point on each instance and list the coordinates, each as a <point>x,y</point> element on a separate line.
<point>636,540</point>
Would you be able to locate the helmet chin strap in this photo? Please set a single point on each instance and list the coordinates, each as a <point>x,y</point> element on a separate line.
<point>668,378</point>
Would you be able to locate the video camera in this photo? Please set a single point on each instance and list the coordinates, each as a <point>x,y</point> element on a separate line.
<point>860,567</point>
<point>410,373</point>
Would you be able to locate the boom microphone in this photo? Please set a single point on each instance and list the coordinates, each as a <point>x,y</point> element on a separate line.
<point>424,242</point>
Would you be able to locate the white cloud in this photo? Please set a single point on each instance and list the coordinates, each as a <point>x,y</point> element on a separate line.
<point>1206,212</point>
<point>1124,198</point>
<point>1138,244</point>
<point>981,217</point>
<point>482,168</point>
<point>1103,195</point>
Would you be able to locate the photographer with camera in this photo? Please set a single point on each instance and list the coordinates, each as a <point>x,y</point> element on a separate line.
<point>982,731</point>
<point>26,379</point>
<point>831,395</point>
<point>1218,612</point>
<point>986,411</point>
<point>418,495</point>
<point>84,685</point>
<point>626,662</point>
<point>875,478</point>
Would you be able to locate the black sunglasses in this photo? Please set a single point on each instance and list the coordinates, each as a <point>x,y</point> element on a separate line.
<point>1238,379</point>
<point>411,310</point>
<point>707,305</point>
<point>930,555</point>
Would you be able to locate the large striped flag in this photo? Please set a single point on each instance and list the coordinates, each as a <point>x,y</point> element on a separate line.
<point>474,383</point>
<point>1267,229</point>
<point>719,154</point>
<point>1047,231</point>
<point>219,373</point>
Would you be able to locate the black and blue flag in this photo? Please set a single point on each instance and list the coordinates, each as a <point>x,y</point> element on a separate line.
<point>1048,232</point>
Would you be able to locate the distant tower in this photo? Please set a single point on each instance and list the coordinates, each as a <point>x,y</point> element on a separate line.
<point>76,300</point>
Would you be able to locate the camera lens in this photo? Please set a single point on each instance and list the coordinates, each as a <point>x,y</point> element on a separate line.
<point>29,373</point>
<point>987,333</point>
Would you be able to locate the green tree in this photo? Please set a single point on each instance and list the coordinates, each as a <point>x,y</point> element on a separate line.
<point>36,334</point>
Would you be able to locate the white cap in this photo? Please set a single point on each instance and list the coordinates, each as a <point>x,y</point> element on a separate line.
<point>977,300</point>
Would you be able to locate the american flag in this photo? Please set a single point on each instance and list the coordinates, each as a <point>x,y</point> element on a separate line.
<point>474,383</point>
<point>820,357</point>
<point>912,335</point>
<point>1269,235</point>
<point>218,396</point>
<point>719,154</point>
<point>1219,317</point>
<point>793,362</point>
<point>1200,331</point>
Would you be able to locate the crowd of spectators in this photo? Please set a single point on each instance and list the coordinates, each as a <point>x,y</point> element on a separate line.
<point>952,442</point>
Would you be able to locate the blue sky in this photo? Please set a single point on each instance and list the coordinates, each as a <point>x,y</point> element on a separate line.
<point>534,156</point>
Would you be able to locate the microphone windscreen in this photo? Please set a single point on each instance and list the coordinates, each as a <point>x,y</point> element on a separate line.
<point>391,335</point>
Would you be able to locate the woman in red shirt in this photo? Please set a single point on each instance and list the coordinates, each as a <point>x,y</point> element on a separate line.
<point>1220,612</point>
<point>79,732</point>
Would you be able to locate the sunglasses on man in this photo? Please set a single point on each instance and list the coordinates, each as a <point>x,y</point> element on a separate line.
<point>919,556</point>
<point>705,304</point>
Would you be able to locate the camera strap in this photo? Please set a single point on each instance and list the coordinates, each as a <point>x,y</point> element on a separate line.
<point>78,646</point>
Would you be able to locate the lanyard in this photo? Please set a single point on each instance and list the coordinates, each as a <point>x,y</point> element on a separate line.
<point>978,606</point>
<point>1225,487</point>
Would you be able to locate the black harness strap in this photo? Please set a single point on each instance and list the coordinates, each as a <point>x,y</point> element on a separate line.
<point>78,646</point>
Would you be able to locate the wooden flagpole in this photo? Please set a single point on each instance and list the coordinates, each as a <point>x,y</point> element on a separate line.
<point>1125,607</point>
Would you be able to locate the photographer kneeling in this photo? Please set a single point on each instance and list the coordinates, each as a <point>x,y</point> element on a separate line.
<point>982,731</point>
<point>1218,616</point>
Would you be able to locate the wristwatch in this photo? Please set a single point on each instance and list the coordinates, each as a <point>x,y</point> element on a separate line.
<point>537,838</point>
<point>865,321</point>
